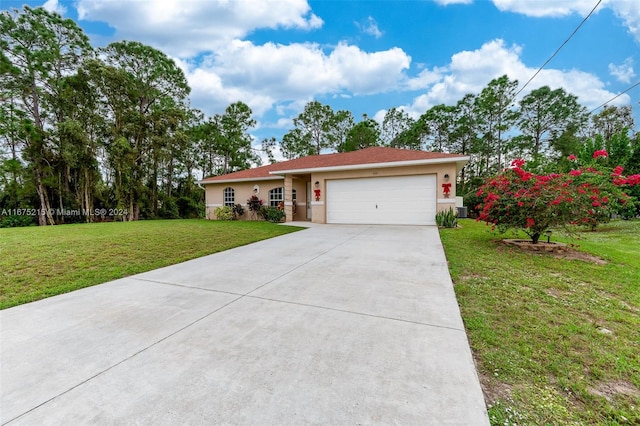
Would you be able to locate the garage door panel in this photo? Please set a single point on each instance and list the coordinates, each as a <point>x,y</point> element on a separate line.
<point>409,200</point>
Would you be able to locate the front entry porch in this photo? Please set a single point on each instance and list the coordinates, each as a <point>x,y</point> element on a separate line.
<point>298,197</point>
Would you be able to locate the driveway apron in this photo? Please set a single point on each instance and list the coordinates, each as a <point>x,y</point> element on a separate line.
<point>335,324</point>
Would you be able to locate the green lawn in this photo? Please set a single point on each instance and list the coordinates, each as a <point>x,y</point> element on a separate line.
<point>556,341</point>
<point>39,262</point>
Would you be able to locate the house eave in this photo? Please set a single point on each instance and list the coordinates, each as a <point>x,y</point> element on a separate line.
<point>267,178</point>
<point>460,162</point>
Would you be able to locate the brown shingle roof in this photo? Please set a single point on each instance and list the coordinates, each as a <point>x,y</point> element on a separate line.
<point>373,155</point>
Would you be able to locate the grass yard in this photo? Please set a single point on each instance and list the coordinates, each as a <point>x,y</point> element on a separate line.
<point>556,341</point>
<point>39,262</point>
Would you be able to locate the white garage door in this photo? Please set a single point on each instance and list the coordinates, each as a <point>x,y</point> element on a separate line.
<point>398,200</point>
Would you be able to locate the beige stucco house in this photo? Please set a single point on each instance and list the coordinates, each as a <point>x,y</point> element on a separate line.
<point>371,186</point>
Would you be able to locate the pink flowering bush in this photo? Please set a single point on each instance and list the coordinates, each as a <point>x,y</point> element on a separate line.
<point>520,199</point>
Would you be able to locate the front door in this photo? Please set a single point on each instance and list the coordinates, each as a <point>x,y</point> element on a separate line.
<point>309,200</point>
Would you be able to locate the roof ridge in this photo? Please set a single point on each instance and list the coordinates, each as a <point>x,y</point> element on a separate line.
<point>370,155</point>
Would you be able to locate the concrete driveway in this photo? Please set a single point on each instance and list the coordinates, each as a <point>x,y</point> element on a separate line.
<point>330,325</point>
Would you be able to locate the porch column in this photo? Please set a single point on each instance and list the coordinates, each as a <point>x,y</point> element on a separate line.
<point>288,198</point>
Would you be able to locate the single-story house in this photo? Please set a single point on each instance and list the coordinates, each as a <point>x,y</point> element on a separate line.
<point>375,185</point>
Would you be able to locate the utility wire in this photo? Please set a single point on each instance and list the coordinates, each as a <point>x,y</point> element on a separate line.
<point>557,50</point>
<point>615,97</point>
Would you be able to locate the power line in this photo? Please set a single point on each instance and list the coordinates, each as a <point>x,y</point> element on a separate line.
<point>558,49</point>
<point>615,97</point>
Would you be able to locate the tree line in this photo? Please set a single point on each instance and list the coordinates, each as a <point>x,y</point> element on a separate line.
<point>84,129</point>
<point>491,127</point>
<point>111,129</point>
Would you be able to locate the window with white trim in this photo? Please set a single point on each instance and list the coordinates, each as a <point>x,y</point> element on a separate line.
<point>276,196</point>
<point>228,197</point>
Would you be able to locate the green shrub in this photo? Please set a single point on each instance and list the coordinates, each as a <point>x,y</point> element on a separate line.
<point>272,214</point>
<point>14,221</point>
<point>472,200</point>
<point>262,212</point>
<point>224,213</point>
<point>169,209</point>
<point>447,218</point>
<point>238,211</point>
<point>188,208</point>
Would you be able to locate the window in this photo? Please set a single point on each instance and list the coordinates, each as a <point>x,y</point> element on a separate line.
<point>228,197</point>
<point>276,196</point>
<point>293,195</point>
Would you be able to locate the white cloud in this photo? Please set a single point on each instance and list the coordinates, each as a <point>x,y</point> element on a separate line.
<point>370,27</point>
<point>539,8</point>
<point>185,29</point>
<point>623,72</point>
<point>424,79</point>
<point>629,12</point>
<point>54,6</point>
<point>268,74</point>
<point>379,116</point>
<point>471,71</point>
<point>448,2</point>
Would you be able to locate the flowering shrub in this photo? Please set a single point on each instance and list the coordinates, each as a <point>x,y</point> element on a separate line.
<point>520,199</point>
<point>272,214</point>
<point>254,203</point>
<point>600,153</point>
<point>224,213</point>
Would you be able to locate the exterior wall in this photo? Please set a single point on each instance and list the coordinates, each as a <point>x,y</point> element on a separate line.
<point>443,203</point>
<point>244,190</point>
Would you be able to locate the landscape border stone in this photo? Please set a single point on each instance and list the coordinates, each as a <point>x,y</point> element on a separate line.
<point>540,246</point>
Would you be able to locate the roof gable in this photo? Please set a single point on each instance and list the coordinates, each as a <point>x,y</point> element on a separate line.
<point>373,155</point>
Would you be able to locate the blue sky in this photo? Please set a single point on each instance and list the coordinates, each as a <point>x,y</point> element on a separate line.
<point>368,56</point>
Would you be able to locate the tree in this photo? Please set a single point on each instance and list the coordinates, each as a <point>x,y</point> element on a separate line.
<point>13,174</point>
<point>340,127</point>
<point>495,117</point>
<point>363,135</point>
<point>438,126</point>
<point>235,142</point>
<point>464,135</point>
<point>77,134</point>
<point>612,120</point>
<point>39,48</point>
<point>395,124</point>
<point>268,145</point>
<point>295,144</point>
<point>545,115</point>
<point>315,130</point>
<point>224,142</point>
<point>151,82</point>
<point>206,134</point>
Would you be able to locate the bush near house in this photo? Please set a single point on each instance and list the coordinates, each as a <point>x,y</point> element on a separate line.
<point>224,213</point>
<point>238,211</point>
<point>447,219</point>
<point>272,214</point>
<point>254,204</point>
